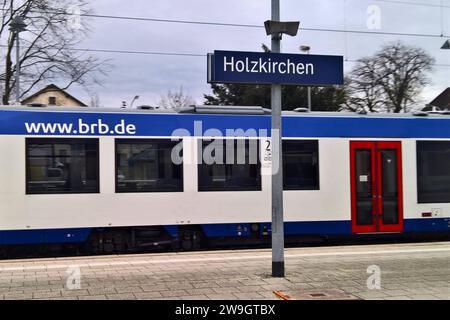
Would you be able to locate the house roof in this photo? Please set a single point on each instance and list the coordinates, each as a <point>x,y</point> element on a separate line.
<point>50,88</point>
<point>441,102</point>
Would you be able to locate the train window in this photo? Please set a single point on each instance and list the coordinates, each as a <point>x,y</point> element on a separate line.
<point>229,165</point>
<point>56,166</point>
<point>147,166</point>
<point>433,171</point>
<point>301,165</point>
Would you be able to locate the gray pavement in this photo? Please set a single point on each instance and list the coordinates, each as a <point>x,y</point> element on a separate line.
<point>394,271</point>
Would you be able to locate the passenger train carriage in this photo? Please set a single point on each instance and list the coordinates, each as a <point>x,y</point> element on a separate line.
<point>114,179</point>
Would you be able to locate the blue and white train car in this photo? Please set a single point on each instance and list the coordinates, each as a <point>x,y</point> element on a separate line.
<point>115,179</point>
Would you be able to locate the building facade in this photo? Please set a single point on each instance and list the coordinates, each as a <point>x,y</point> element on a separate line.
<point>52,95</point>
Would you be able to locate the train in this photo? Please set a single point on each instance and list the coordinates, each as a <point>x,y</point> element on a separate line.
<point>122,180</point>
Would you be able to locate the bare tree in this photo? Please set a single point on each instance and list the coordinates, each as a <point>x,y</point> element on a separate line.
<point>175,99</point>
<point>47,46</point>
<point>361,89</point>
<point>389,81</point>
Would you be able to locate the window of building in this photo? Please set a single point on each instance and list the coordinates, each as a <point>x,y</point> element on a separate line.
<point>62,166</point>
<point>229,165</point>
<point>433,171</point>
<point>52,101</point>
<point>300,165</point>
<point>147,166</point>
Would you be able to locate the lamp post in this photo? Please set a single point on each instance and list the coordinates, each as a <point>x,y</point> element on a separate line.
<point>306,50</point>
<point>132,101</point>
<point>275,28</point>
<point>16,26</point>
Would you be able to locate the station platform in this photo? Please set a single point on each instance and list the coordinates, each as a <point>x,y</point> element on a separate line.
<point>388,271</point>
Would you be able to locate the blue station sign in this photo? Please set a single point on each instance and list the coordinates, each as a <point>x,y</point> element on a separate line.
<point>275,68</point>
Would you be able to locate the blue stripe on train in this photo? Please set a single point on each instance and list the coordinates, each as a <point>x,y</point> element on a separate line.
<point>427,225</point>
<point>73,235</point>
<point>323,227</point>
<point>290,228</point>
<point>13,123</point>
<point>78,235</point>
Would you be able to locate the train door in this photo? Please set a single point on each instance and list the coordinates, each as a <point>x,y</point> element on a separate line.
<point>376,186</point>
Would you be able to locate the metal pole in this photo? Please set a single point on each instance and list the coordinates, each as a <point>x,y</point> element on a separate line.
<point>277,167</point>
<point>17,68</point>
<point>309,99</point>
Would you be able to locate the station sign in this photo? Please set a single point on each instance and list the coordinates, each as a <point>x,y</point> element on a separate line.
<point>275,68</point>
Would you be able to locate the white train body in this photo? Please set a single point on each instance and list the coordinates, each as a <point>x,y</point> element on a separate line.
<point>327,209</point>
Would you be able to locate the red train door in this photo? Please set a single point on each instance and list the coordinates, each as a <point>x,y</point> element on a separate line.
<point>376,186</point>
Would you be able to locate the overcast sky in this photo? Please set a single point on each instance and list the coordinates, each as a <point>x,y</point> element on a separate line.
<point>150,76</point>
